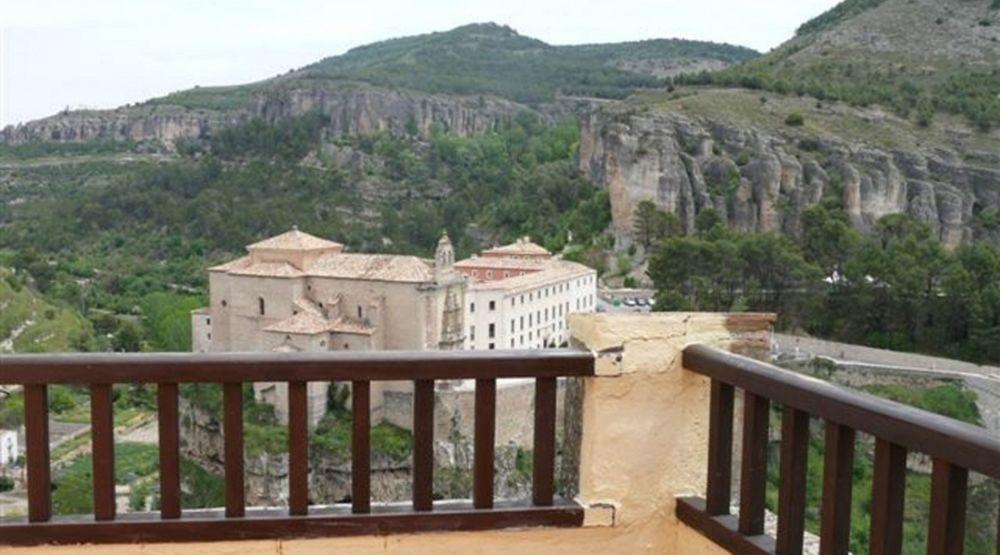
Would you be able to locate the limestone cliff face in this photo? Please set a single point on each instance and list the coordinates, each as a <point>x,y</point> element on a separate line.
<point>351,107</point>
<point>360,109</point>
<point>163,124</point>
<point>761,180</point>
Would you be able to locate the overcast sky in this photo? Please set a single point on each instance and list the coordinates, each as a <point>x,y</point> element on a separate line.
<point>105,53</point>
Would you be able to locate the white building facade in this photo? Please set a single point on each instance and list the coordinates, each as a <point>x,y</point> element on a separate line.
<point>520,297</point>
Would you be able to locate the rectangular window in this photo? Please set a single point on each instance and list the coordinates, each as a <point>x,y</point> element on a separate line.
<point>493,306</point>
<point>511,342</point>
<point>492,346</point>
<point>472,333</point>
<point>512,326</point>
<point>493,331</point>
<point>472,307</point>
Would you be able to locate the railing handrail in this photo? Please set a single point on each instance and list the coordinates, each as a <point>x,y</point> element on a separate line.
<point>917,430</point>
<point>107,368</point>
<point>232,370</point>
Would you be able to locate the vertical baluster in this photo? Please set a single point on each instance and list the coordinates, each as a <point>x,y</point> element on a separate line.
<point>888,491</point>
<point>485,429</point>
<point>543,466</point>
<point>949,487</point>
<point>792,490</point>
<point>103,447</point>
<point>298,448</point>
<point>838,468</point>
<point>36,431</point>
<point>718,491</point>
<point>170,454</point>
<point>423,445</point>
<point>232,435</point>
<point>753,473</point>
<point>361,447</point>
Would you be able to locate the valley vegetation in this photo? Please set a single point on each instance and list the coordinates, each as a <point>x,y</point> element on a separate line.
<point>127,245</point>
<point>896,288</point>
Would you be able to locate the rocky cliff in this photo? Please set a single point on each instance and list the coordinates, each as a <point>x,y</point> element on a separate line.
<point>760,177</point>
<point>266,473</point>
<point>352,108</point>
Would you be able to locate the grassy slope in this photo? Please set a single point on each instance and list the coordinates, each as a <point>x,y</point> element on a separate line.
<point>915,57</point>
<point>871,126</point>
<point>40,326</point>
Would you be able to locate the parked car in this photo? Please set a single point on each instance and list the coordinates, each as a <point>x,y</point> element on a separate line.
<point>630,302</point>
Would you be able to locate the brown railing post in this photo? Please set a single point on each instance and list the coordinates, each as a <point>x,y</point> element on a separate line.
<point>423,445</point>
<point>792,490</point>
<point>361,447</point>
<point>949,489</point>
<point>888,491</point>
<point>753,472</point>
<point>232,435</point>
<point>103,446</point>
<point>36,431</point>
<point>485,430</point>
<point>298,448</point>
<point>543,467</point>
<point>170,454</point>
<point>718,491</point>
<point>838,470</point>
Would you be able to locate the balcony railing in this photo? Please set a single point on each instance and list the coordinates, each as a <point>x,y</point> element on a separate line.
<point>955,448</point>
<point>101,371</point>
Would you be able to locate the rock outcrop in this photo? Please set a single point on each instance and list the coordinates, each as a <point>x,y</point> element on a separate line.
<point>762,180</point>
<point>352,108</point>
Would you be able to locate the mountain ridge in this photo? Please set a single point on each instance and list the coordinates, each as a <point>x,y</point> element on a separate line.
<point>475,60</point>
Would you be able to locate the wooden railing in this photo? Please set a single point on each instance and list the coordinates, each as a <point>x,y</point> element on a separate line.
<point>166,371</point>
<point>955,448</point>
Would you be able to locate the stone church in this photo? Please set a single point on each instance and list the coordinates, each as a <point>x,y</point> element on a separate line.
<point>297,292</point>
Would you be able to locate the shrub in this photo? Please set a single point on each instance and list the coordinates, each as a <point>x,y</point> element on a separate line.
<point>795,119</point>
<point>61,400</point>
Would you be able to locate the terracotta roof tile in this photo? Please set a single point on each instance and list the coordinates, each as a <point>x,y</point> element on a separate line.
<point>555,271</point>
<point>523,246</point>
<point>294,240</point>
<point>379,267</point>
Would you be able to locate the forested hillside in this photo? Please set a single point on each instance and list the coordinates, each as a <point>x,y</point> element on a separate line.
<point>132,240</point>
<point>490,59</point>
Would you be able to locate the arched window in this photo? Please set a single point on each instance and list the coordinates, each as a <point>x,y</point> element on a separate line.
<point>260,305</point>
